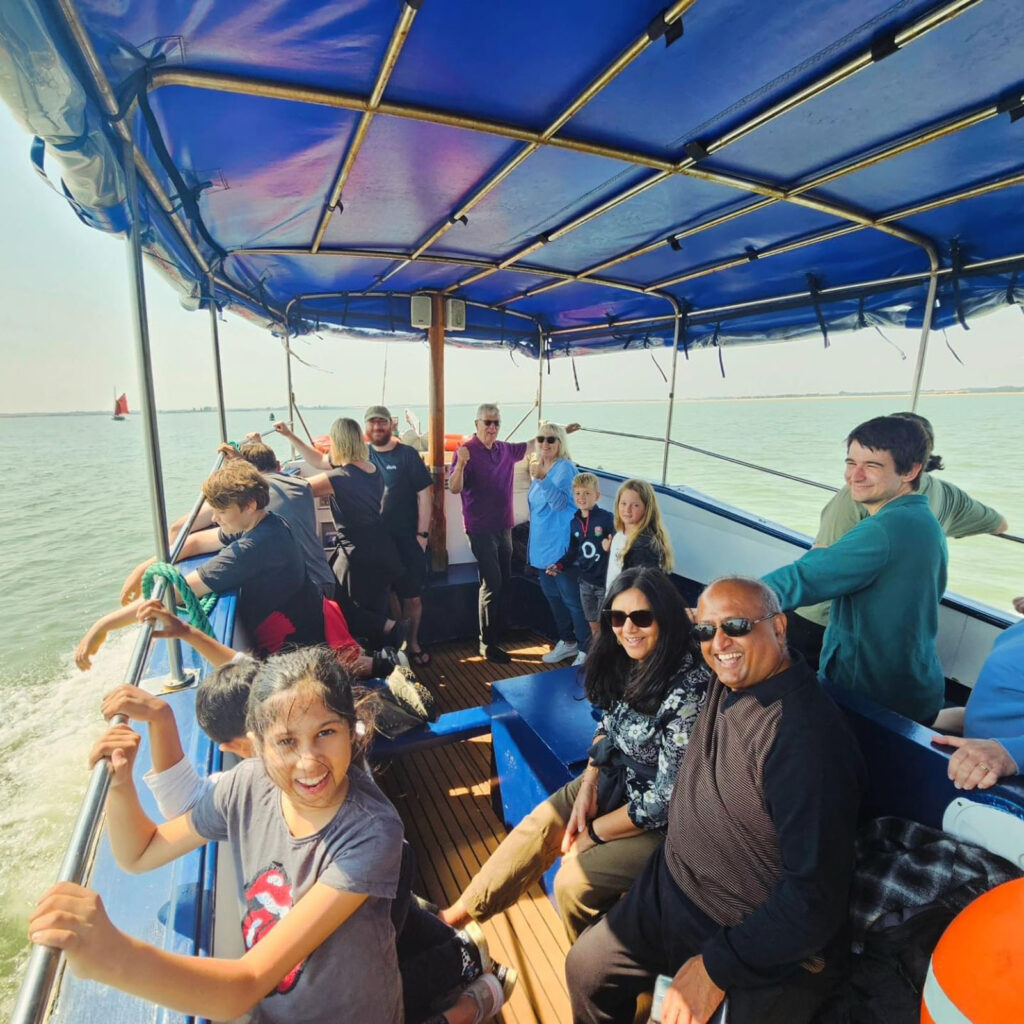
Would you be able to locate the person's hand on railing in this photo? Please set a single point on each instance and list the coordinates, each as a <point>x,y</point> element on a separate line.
<point>71,918</point>
<point>118,747</point>
<point>229,451</point>
<point>282,428</point>
<point>167,625</point>
<point>134,703</point>
<point>1018,604</point>
<point>571,428</point>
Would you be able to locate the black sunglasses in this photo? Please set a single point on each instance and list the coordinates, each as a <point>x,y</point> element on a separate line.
<point>550,440</point>
<point>642,617</point>
<point>705,631</point>
<point>491,423</point>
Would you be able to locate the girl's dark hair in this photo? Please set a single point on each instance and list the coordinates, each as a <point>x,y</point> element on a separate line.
<point>316,670</point>
<point>611,674</point>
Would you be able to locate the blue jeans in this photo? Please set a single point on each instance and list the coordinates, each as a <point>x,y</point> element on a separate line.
<point>563,594</point>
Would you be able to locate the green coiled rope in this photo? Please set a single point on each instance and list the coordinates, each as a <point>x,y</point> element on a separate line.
<point>197,609</point>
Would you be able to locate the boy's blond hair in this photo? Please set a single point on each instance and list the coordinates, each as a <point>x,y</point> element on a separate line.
<point>586,480</point>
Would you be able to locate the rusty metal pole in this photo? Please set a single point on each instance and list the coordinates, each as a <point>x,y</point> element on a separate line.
<point>435,434</point>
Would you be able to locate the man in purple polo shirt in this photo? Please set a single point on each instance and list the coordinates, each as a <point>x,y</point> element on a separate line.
<point>482,473</point>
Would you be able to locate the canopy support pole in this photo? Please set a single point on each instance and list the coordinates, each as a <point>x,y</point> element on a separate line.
<point>926,326</point>
<point>157,501</point>
<point>435,433</point>
<point>217,375</point>
<point>291,394</point>
<point>540,375</point>
<point>671,387</point>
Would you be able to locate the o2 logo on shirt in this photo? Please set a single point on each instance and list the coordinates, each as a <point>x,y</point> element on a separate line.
<point>588,549</point>
<point>267,900</point>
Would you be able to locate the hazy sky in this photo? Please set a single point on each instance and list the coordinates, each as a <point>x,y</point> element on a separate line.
<point>68,342</point>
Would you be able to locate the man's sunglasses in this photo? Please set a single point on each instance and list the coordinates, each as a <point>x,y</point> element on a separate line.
<point>642,617</point>
<point>549,440</point>
<point>491,423</point>
<point>705,631</point>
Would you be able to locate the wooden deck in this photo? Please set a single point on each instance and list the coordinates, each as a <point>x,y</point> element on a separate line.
<point>444,797</point>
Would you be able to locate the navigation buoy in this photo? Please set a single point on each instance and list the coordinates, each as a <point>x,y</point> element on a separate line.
<point>976,974</point>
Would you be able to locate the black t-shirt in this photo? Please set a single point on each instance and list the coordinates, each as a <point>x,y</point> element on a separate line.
<point>405,476</point>
<point>277,603</point>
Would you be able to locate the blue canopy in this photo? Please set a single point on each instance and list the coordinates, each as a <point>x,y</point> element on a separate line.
<point>587,170</point>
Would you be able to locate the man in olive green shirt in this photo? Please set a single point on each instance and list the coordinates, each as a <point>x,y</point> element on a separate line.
<point>885,577</point>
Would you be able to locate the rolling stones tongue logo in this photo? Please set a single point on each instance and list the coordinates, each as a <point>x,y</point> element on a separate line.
<point>267,900</point>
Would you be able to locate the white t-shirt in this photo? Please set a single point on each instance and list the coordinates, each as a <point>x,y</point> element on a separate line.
<point>614,559</point>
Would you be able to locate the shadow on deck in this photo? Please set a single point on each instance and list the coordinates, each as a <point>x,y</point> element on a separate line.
<point>444,798</point>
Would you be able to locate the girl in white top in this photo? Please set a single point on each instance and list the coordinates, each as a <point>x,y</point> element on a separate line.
<point>640,537</point>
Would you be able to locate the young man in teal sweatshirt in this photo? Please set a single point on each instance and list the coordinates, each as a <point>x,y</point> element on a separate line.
<point>885,577</point>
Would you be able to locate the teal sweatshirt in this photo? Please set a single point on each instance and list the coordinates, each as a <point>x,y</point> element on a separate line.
<point>885,579</point>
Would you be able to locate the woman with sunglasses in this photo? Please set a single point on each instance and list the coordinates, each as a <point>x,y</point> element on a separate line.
<point>551,510</point>
<point>647,679</point>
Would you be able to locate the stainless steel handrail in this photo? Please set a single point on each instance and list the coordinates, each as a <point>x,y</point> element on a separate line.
<point>37,985</point>
<point>750,465</point>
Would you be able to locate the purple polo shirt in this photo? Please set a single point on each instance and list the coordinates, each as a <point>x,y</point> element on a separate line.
<point>487,485</point>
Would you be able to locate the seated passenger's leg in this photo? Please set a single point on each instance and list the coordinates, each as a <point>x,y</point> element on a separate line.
<point>519,861</point>
<point>586,886</point>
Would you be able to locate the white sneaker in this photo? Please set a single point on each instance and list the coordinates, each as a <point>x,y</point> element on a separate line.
<point>580,658</point>
<point>560,652</point>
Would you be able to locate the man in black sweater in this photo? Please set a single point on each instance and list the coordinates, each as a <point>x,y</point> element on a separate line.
<point>748,896</point>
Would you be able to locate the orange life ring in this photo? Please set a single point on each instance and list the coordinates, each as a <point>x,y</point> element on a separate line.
<point>322,444</point>
<point>453,441</point>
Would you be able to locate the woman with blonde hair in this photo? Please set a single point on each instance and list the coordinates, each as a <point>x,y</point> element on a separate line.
<point>640,536</point>
<point>367,558</point>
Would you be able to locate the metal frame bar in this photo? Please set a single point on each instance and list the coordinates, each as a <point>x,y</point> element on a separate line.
<point>397,41</point>
<point>672,386</point>
<point>670,15</point>
<point>710,314</point>
<point>217,374</point>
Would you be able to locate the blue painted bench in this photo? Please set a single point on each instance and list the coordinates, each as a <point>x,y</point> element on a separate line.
<point>449,728</point>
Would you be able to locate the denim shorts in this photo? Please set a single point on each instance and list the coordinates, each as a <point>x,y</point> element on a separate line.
<point>591,597</point>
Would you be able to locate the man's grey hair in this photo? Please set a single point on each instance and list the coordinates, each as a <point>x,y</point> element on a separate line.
<point>769,599</point>
<point>487,411</point>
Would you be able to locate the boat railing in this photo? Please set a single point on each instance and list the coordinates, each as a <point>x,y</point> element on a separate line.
<point>41,973</point>
<point>747,465</point>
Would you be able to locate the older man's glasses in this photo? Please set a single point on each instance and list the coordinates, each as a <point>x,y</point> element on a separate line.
<point>705,631</point>
<point>546,440</point>
<point>642,618</point>
<point>490,423</point>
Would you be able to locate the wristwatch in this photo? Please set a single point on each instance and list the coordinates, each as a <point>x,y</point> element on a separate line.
<point>424,533</point>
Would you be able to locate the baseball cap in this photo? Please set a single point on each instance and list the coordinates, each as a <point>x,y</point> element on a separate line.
<point>377,412</point>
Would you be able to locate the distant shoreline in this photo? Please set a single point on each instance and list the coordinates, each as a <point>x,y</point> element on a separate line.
<point>1010,392</point>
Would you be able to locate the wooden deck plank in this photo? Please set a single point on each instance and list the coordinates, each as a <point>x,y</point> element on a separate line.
<point>444,798</point>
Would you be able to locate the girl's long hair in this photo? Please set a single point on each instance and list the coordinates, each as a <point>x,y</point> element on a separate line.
<point>612,675</point>
<point>314,671</point>
<point>650,524</point>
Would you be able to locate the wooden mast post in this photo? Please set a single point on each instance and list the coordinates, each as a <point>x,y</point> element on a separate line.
<point>435,431</point>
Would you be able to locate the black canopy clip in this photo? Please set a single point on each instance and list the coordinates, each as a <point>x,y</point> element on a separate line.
<point>659,27</point>
<point>752,253</point>
<point>956,257</point>
<point>884,45</point>
<point>674,244</point>
<point>1012,104</point>
<point>414,4</point>
<point>696,151</point>
<point>814,287</point>
<point>458,220</point>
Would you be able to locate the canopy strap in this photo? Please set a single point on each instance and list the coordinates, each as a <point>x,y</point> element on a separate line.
<point>659,27</point>
<point>684,325</point>
<point>814,287</point>
<point>1011,288</point>
<point>716,343</point>
<point>196,608</point>
<point>950,347</point>
<point>956,257</point>
<point>862,320</point>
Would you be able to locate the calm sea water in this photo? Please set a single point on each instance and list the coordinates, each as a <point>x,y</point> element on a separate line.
<point>74,519</point>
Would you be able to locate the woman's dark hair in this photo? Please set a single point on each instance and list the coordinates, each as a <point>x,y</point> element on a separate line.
<point>313,670</point>
<point>934,462</point>
<point>611,674</point>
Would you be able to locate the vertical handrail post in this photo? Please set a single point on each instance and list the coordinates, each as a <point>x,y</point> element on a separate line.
<point>158,505</point>
<point>540,374</point>
<point>217,374</point>
<point>291,394</point>
<point>671,388</point>
<point>926,326</point>
<point>435,437</point>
